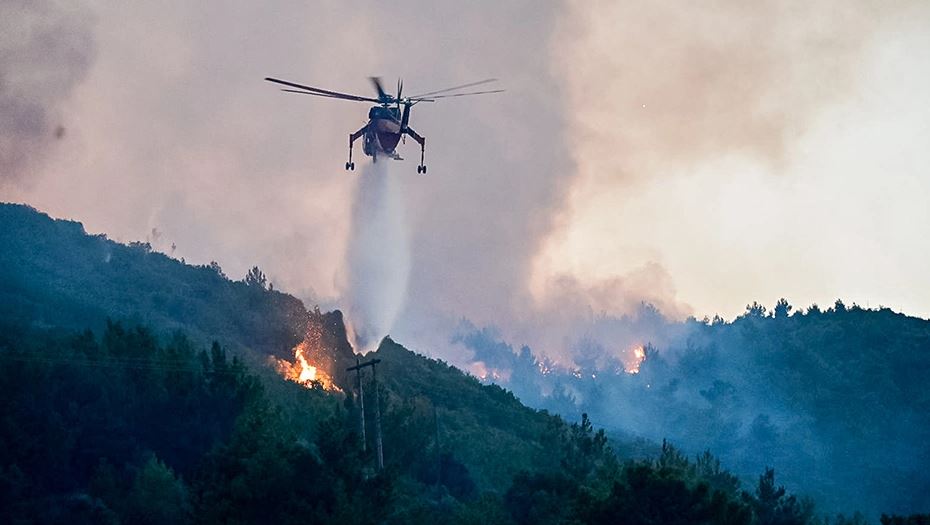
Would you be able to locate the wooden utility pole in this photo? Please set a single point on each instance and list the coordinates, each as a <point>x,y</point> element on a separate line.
<point>438,455</point>
<point>358,370</point>
<point>374,377</point>
<point>361,402</point>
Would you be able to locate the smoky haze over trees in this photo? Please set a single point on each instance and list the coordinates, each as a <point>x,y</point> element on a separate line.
<point>835,399</point>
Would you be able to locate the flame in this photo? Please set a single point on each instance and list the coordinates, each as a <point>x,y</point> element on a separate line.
<point>478,369</point>
<point>639,355</point>
<point>302,370</point>
<point>487,374</point>
<point>307,371</point>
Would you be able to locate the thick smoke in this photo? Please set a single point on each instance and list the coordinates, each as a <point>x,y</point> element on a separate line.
<point>663,85</point>
<point>659,94</point>
<point>46,49</point>
<point>516,223</point>
<point>676,107</point>
<point>378,256</point>
<point>180,126</point>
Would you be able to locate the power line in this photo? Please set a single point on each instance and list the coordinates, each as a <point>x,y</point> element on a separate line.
<point>114,363</point>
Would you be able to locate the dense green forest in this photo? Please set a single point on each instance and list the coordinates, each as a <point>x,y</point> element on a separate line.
<point>124,428</point>
<point>138,389</point>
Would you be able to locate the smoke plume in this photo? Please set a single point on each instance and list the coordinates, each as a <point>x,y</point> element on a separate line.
<point>378,256</point>
<point>46,49</point>
<point>690,127</point>
<point>545,207</point>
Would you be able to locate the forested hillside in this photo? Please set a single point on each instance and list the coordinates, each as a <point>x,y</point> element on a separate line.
<point>62,279</point>
<point>837,399</point>
<point>56,275</point>
<point>124,428</point>
<point>137,389</point>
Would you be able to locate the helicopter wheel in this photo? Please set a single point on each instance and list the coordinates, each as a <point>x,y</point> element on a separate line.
<point>347,166</point>
<point>352,166</point>
<point>421,168</point>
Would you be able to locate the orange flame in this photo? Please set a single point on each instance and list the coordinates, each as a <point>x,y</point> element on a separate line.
<point>303,372</point>
<point>639,355</point>
<point>307,371</point>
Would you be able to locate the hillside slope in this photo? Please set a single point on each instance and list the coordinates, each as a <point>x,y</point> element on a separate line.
<point>54,274</point>
<point>442,428</point>
<point>58,277</point>
<point>837,400</point>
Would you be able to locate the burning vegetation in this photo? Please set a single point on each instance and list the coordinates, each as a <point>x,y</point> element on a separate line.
<point>310,364</point>
<point>639,355</point>
<point>302,371</point>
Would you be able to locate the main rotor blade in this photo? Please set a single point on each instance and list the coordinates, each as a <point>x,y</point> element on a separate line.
<point>334,94</point>
<point>299,92</point>
<point>463,86</point>
<point>430,99</point>
<point>382,95</point>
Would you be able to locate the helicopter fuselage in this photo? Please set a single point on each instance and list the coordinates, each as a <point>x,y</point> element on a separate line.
<point>384,129</point>
<point>382,132</point>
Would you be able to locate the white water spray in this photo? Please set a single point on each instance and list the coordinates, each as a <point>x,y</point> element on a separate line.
<point>377,257</point>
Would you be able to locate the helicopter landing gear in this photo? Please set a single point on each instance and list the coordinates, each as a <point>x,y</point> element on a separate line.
<point>422,141</point>
<point>352,138</point>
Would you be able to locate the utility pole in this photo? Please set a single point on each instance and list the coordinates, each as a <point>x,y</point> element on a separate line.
<point>358,370</point>
<point>361,402</point>
<point>438,455</point>
<point>374,377</point>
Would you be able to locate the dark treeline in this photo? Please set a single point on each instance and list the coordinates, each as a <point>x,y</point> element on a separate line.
<point>123,428</point>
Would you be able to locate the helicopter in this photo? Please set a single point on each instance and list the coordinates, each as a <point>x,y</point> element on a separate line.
<point>389,121</point>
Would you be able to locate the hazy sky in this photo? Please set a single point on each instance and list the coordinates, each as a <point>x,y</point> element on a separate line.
<point>753,150</point>
<point>698,157</point>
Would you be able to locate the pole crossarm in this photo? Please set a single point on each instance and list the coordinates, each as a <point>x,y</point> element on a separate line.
<point>360,366</point>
